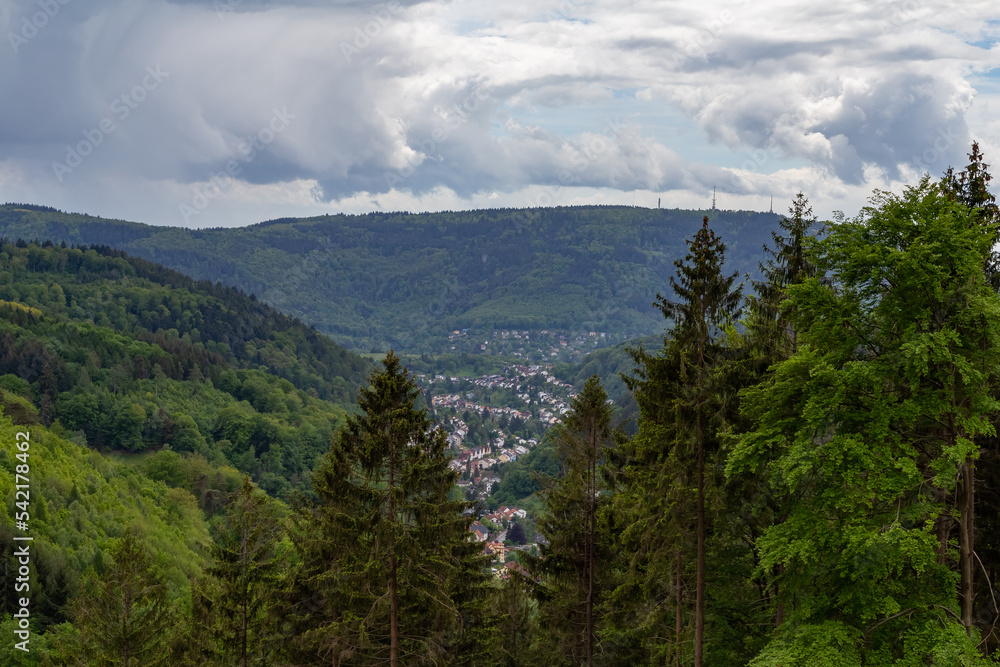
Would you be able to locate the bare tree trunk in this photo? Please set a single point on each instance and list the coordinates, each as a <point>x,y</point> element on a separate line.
<point>245,557</point>
<point>393,614</point>
<point>699,594</point>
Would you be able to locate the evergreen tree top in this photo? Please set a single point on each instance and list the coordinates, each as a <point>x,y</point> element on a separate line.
<point>705,298</point>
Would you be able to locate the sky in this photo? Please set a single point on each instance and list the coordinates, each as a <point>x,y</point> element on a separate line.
<point>222,113</point>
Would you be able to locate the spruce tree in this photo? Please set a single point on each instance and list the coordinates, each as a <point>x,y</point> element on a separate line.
<point>971,186</point>
<point>384,549</point>
<point>246,572</point>
<point>123,615</point>
<point>679,397</point>
<point>571,563</point>
<point>517,622</point>
<point>771,334</point>
<point>706,300</point>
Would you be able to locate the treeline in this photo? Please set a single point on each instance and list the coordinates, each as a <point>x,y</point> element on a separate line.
<point>404,281</point>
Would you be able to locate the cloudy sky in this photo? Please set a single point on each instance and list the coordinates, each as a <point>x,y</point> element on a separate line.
<point>228,112</point>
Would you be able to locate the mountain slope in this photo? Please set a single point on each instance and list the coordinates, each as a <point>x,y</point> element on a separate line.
<point>125,355</point>
<point>406,280</point>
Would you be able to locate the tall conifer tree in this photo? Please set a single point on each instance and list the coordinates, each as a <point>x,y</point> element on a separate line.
<point>123,615</point>
<point>678,401</point>
<point>246,569</point>
<point>382,549</point>
<point>572,562</point>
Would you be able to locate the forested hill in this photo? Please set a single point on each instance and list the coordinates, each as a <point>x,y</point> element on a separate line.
<point>404,280</point>
<point>125,355</point>
<point>146,300</point>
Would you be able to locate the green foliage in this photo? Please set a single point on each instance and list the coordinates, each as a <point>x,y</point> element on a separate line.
<point>810,487</point>
<point>518,623</point>
<point>667,476</point>
<point>89,501</point>
<point>389,568</point>
<point>245,567</point>
<point>404,281</point>
<point>870,424</point>
<point>141,386</point>
<point>123,615</point>
<point>38,646</point>
<point>573,563</point>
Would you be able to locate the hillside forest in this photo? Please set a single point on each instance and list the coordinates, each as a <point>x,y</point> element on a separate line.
<point>811,477</point>
<point>409,281</point>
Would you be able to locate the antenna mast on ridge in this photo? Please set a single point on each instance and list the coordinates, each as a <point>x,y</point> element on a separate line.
<point>713,197</point>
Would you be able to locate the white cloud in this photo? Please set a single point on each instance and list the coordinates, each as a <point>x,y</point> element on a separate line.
<point>440,104</point>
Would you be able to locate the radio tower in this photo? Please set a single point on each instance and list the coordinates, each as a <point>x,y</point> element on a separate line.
<point>713,197</point>
<point>772,203</point>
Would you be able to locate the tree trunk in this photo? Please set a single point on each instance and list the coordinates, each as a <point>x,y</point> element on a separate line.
<point>699,594</point>
<point>393,614</point>
<point>966,535</point>
<point>393,598</point>
<point>677,611</point>
<point>591,539</point>
<point>779,611</point>
<point>245,558</point>
<point>699,599</point>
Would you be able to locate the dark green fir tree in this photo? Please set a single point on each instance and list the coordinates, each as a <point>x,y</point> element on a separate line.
<point>572,563</point>
<point>389,573</point>
<point>123,615</point>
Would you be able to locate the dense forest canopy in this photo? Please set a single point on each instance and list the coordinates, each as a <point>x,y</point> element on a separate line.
<point>812,476</point>
<point>131,356</point>
<point>405,280</point>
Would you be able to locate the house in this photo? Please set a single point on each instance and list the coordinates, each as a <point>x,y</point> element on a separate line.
<point>511,513</point>
<point>497,549</point>
<point>481,531</point>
